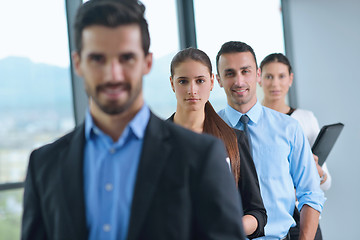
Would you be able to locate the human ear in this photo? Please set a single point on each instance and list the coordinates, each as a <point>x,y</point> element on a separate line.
<point>212,81</point>
<point>172,84</point>
<point>258,75</point>
<point>291,79</point>
<point>219,80</point>
<point>260,83</point>
<point>76,62</point>
<point>148,63</point>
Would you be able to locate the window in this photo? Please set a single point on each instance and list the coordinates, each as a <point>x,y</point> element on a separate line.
<point>35,93</point>
<point>257,23</point>
<point>10,212</point>
<point>163,28</point>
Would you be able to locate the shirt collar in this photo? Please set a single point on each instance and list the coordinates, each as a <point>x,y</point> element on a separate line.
<point>138,124</point>
<point>89,124</point>
<point>234,115</point>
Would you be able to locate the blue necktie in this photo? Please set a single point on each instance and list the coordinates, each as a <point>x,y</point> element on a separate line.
<point>244,120</point>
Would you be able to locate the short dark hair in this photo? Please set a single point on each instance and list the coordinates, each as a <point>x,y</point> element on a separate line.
<point>111,13</point>
<point>234,47</point>
<point>193,54</point>
<point>276,57</point>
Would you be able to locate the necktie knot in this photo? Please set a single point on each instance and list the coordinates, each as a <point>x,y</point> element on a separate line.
<point>244,119</point>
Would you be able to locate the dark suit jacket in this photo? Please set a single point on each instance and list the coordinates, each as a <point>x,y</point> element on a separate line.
<point>183,190</point>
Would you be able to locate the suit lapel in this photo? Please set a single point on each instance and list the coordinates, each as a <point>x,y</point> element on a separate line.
<point>154,154</point>
<point>73,187</point>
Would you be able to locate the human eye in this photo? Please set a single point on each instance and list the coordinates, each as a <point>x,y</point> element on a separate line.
<point>127,58</point>
<point>182,81</point>
<point>229,74</point>
<point>269,77</point>
<point>245,71</point>
<point>200,80</point>
<point>97,58</point>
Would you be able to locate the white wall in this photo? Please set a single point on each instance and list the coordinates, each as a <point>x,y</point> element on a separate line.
<point>326,57</point>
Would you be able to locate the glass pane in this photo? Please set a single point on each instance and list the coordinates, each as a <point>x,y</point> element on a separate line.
<point>10,214</point>
<point>35,87</point>
<point>163,27</point>
<point>257,23</point>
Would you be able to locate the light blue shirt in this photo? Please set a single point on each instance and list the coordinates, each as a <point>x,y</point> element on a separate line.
<point>283,160</point>
<point>109,176</point>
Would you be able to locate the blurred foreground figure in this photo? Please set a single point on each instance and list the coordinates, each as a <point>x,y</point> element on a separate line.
<point>124,173</point>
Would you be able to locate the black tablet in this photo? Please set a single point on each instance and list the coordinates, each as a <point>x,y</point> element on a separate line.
<point>326,140</point>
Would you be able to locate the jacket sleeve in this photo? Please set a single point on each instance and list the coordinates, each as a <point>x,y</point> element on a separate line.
<point>249,187</point>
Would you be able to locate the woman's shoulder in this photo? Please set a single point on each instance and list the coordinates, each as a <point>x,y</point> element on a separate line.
<point>302,113</point>
<point>308,123</point>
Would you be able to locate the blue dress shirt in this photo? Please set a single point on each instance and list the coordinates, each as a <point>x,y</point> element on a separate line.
<point>109,176</point>
<point>283,160</point>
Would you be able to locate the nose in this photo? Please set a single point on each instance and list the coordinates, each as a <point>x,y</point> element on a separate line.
<point>116,71</point>
<point>239,79</point>
<point>192,89</point>
<point>275,81</point>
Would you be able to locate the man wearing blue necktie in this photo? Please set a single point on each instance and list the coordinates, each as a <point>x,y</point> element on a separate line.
<point>281,152</point>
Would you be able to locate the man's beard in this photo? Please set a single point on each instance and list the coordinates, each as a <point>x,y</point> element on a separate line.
<point>114,108</point>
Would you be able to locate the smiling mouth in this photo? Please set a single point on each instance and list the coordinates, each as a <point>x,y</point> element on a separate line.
<point>240,91</point>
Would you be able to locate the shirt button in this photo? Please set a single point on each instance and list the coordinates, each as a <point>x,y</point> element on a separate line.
<point>106,228</point>
<point>108,187</point>
<point>112,150</point>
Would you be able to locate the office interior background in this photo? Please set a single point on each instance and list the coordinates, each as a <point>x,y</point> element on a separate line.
<point>41,98</point>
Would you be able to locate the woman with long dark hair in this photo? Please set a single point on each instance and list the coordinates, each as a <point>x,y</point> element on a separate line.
<point>192,81</point>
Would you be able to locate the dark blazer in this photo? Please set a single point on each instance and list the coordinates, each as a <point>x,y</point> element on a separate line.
<point>248,184</point>
<point>183,190</point>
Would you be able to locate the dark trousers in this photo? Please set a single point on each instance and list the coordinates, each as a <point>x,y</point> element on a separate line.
<point>295,231</point>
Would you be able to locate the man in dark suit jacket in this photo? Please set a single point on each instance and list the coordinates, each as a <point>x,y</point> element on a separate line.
<point>177,184</point>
